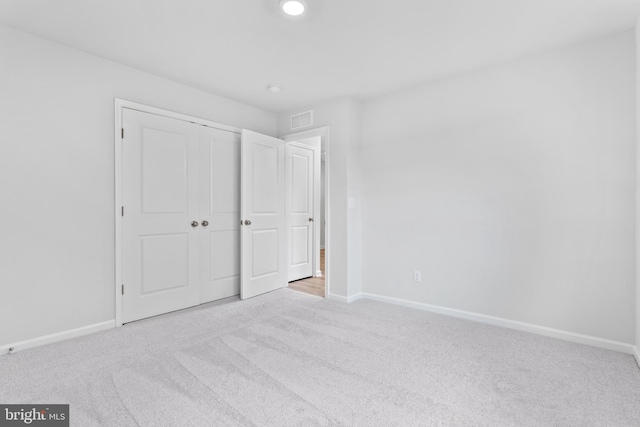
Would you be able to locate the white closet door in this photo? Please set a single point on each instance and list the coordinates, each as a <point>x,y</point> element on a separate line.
<point>219,214</point>
<point>263,212</point>
<point>160,201</point>
<point>300,209</point>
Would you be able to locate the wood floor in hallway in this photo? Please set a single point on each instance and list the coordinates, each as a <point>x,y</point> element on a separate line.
<point>312,285</point>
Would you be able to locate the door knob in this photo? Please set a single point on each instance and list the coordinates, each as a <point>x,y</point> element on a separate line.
<point>247,222</point>
<point>205,223</point>
<point>194,223</point>
<point>310,219</point>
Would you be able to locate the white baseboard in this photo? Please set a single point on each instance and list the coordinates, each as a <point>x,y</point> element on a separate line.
<point>59,336</point>
<point>348,299</point>
<point>636,353</point>
<point>512,324</point>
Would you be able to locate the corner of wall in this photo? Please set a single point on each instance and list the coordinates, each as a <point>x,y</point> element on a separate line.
<point>637,259</point>
<point>348,300</point>
<point>354,193</point>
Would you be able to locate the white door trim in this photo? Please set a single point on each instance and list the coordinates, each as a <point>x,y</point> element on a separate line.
<point>324,133</point>
<point>120,105</point>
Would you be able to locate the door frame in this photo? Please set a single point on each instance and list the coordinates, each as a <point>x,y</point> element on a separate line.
<point>324,134</point>
<point>120,105</point>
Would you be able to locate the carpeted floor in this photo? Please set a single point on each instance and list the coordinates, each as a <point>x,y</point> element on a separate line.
<point>288,358</point>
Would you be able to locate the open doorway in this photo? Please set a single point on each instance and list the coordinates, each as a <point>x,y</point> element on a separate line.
<point>315,280</point>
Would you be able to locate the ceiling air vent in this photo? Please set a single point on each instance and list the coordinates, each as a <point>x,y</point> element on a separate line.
<point>302,119</point>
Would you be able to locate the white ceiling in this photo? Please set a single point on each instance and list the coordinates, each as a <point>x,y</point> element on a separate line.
<point>359,48</point>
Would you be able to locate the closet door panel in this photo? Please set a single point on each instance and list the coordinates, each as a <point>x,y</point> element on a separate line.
<point>263,211</point>
<point>160,201</point>
<point>220,207</point>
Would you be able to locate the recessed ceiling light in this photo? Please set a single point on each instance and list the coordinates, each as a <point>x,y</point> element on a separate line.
<point>274,88</point>
<point>293,7</point>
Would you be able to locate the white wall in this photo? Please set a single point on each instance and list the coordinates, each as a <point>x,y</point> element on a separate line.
<point>637,259</point>
<point>57,177</point>
<point>343,255</point>
<point>511,189</point>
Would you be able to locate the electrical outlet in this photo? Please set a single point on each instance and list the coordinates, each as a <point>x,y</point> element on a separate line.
<point>417,276</point>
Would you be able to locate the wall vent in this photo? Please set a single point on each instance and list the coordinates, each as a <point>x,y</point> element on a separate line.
<point>302,119</point>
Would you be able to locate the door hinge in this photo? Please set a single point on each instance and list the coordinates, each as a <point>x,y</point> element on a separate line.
<point>122,133</point>
<point>122,289</point>
<point>123,211</point>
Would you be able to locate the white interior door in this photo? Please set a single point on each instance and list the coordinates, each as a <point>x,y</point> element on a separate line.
<point>219,214</point>
<point>263,214</point>
<point>160,202</point>
<point>301,224</point>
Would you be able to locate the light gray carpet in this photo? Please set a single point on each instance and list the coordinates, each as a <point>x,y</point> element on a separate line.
<point>287,358</point>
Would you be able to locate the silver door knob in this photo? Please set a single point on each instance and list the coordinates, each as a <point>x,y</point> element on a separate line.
<point>205,223</point>
<point>247,222</point>
<point>310,219</point>
<point>194,223</point>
